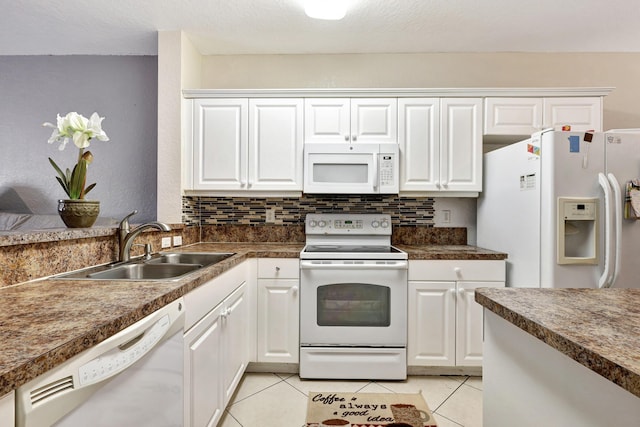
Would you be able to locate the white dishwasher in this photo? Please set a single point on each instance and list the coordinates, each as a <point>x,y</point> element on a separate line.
<point>134,378</point>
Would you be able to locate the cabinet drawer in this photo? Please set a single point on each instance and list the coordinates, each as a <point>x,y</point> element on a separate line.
<point>490,270</point>
<point>278,268</point>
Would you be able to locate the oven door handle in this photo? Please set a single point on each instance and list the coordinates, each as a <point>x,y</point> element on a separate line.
<point>371,265</point>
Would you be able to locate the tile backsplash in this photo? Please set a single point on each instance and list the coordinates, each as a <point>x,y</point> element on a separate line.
<point>207,210</point>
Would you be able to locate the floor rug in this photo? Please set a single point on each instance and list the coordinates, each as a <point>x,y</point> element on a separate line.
<point>326,409</point>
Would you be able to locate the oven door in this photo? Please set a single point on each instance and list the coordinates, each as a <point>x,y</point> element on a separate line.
<point>353,303</point>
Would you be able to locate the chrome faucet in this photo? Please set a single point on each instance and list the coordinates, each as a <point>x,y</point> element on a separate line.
<point>126,235</point>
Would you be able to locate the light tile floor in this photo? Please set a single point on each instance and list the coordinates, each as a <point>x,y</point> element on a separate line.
<point>280,400</point>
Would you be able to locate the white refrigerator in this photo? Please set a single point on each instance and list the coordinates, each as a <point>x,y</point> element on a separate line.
<point>555,203</point>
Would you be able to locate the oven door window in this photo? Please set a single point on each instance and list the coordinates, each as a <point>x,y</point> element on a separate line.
<point>354,304</point>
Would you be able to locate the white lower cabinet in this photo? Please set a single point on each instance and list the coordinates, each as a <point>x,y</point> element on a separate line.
<point>445,323</point>
<point>278,310</point>
<point>217,348</point>
<point>7,410</point>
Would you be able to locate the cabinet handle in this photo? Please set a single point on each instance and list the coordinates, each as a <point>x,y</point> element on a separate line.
<point>461,291</point>
<point>294,290</point>
<point>458,271</point>
<point>437,184</point>
<point>346,138</point>
<point>354,138</point>
<point>277,268</point>
<point>445,184</point>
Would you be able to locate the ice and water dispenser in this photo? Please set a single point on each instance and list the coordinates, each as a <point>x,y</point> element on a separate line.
<point>577,230</point>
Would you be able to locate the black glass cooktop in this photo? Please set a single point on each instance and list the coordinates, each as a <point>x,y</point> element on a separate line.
<point>351,249</point>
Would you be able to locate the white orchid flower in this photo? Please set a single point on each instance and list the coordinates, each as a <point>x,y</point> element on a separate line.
<point>95,126</point>
<point>81,130</point>
<point>78,128</point>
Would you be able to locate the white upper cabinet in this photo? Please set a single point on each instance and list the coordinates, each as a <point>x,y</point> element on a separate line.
<point>275,144</point>
<point>512,116</point>
<point>419,140</point>
<point>581,114</point>
<point>524,116</point>
<point>247,144</point>
<point>220,144</point>
<point>352,120</point>
<point>441,144</point>
<point>461,144</point>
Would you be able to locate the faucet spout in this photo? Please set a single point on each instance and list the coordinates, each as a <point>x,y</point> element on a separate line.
<point>127,237</point>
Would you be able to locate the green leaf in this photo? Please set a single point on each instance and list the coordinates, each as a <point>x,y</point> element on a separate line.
<point>78,178</point>
<point>64,186</point>
<point>89,188</point>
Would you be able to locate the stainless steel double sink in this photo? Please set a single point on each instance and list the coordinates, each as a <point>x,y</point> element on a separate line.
<point>163,266</point>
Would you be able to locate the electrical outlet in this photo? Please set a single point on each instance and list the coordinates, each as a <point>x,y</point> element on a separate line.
<point>446,216</point>
<point>270,215</point>
<point>177,240</point>
<point>166,242</point>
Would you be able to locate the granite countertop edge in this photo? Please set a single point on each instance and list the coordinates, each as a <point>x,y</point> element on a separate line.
<point>23,357</point>
<point>606,362</point>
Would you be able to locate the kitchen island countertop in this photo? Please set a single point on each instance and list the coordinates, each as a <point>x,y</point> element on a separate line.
<point>46,322</point>
<point>598,328</point>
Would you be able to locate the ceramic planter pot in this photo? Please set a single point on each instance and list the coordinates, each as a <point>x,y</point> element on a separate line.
<point>78,213</point>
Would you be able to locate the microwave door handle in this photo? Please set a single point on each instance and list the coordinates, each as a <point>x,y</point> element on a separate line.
<point>375,171</point>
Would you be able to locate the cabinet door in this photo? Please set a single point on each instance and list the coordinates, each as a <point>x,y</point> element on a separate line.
<point>431,329</point>
<point>235,340</point>
<point>275,144</point>
<point>469,323</point>
<point>582,113</point>
<point>326,120</point>
<point>374,120</point>
<point>220,144</point>
<point>419,140</point>
<point>7,409</point>
<point>512,116</point>
<point>204,401</point>
<point>278,320</point>
<point>461,144</point>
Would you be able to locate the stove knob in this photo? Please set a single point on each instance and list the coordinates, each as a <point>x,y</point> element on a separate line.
<point>313,223</point>
<point>375,224</point>
<point>322,224</point>
<point>385,224</point>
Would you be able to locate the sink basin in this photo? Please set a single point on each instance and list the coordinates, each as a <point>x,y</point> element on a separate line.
<point>202,258</point>
<point>145,271</point>
<point>164,266</point>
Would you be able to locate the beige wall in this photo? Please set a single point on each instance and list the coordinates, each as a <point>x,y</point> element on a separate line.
<point>621,71</point>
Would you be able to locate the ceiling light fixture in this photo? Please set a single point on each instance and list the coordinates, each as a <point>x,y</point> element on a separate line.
<point>326,9</point>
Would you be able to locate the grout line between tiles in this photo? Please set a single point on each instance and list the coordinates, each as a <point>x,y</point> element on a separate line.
<point>229,414</point>
<point>233,401</point>
<point>446,418</point>
<point>450,395</point>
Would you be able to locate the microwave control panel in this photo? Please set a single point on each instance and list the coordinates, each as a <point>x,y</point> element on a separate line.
<point>386,169</point>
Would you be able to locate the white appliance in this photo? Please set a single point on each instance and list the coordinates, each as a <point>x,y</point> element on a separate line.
<point>134,378</point>
<point>362,168</point>
<point>353,299</point>
<point>555,204</point>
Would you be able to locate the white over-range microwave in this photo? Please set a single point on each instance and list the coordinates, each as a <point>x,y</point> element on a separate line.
<point>362,168</point>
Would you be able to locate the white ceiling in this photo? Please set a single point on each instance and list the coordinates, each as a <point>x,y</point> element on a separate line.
<point>129,27</point>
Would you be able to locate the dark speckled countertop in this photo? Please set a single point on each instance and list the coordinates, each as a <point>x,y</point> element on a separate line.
<point>45,322</point>
<point>598,328</point>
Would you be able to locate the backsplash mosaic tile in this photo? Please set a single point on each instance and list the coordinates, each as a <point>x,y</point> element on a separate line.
<point>206,210</point>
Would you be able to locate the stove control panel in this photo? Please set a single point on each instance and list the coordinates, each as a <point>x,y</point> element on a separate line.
<point>348,224</point>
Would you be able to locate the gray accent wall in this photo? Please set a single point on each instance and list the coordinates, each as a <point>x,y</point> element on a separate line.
<point>123,89</point>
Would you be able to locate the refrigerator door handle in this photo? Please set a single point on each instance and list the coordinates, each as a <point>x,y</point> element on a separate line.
<point>617,216</point>
<point>605,278</point>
